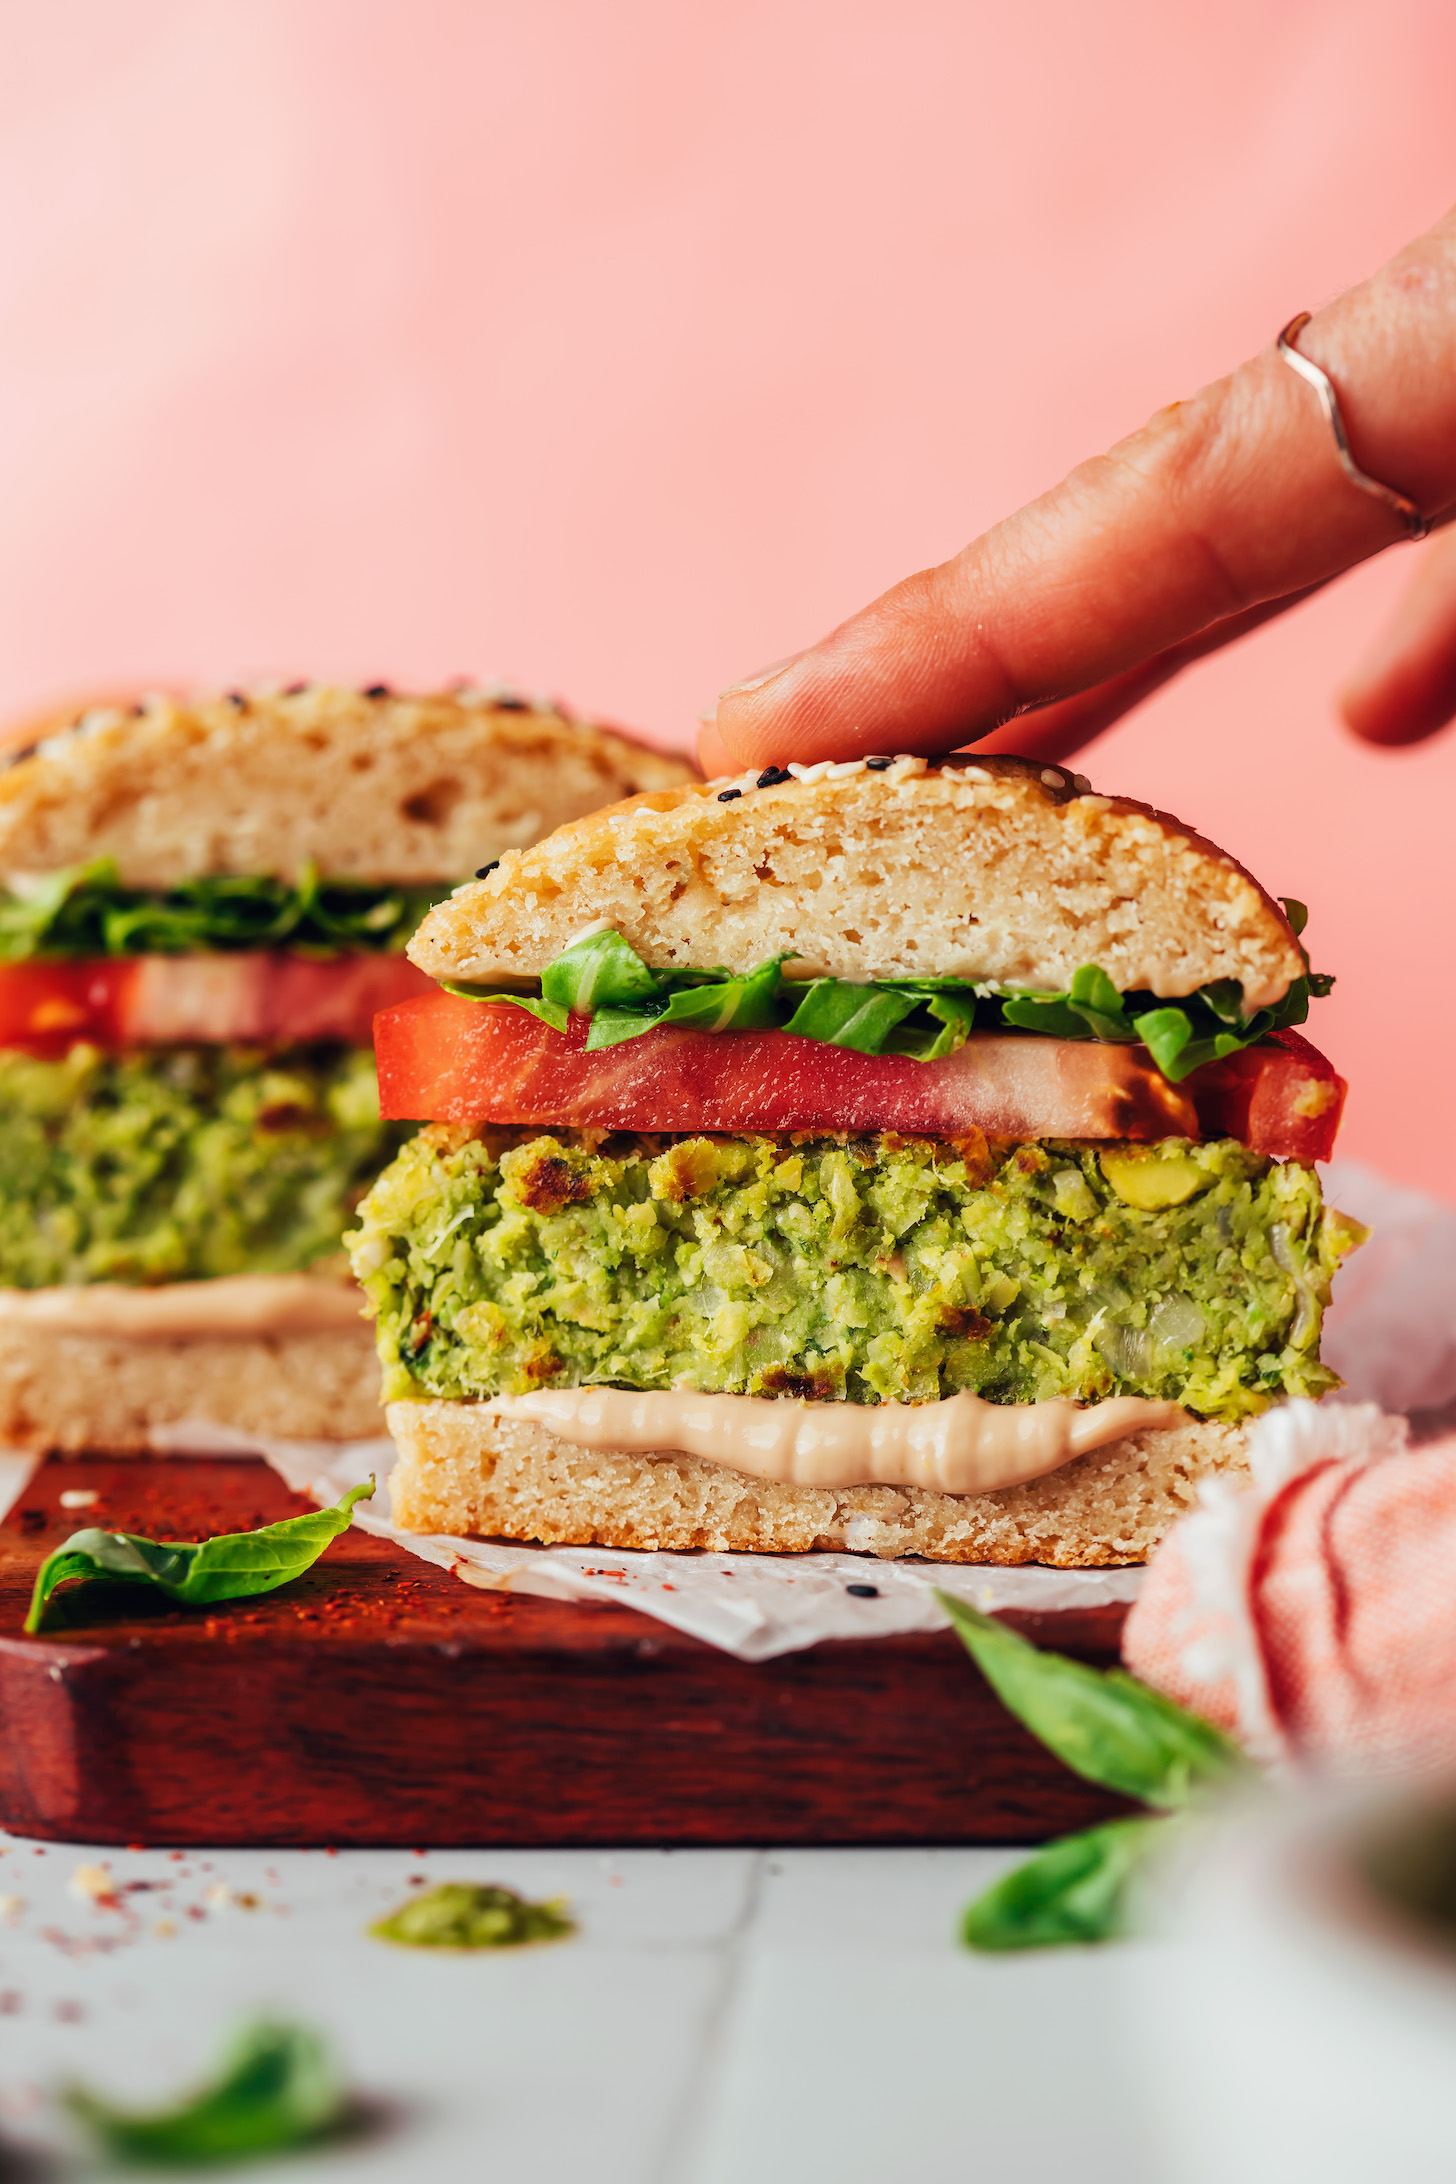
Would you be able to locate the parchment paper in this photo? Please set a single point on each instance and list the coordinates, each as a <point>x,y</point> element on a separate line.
<point>1391,1333</point>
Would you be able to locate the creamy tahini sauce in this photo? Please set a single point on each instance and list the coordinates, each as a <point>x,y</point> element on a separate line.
<point>959,1446</point>
<point>233,1304</point>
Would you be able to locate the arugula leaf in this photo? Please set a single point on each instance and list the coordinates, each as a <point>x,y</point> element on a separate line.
<point>1075,1890</point>
<point>229,1567</point>
<point>474,1915</point>
<point>1102,1723</point>
<point>1091,1007</point>
<point>278,2088</point>
<point>956,1015</point>
<point>609,1027</point>
<point>751,1003</point>
<point>711,1004</point>
<point>550,1012</point>
<point>85,911</point>
<point>599,971</point>
<point>840,1013</point>
<point>603,977</point>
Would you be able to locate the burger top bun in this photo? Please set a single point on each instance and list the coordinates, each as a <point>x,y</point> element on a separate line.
<point>999,869</point>
<point>364,784</point>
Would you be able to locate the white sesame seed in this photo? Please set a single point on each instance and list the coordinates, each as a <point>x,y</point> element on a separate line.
<point>1052,780</point>
<point>79,1497</point>
<point>1081,784</point>
<point>845,768</point>
<point>808,774</point>
<point>906,765</point>
<point>1096,803</point>
<point>977,773</point>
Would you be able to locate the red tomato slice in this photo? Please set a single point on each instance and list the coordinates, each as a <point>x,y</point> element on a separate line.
<point>272,999</point>
<point>1282,1098</point>
<point>48,1005</point>
<point>449,1060</point>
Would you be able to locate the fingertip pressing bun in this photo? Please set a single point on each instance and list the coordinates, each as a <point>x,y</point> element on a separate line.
<point>998,869</point>
<point>371,784</point>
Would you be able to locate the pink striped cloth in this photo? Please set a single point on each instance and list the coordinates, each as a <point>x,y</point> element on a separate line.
<point>1313,1613</point>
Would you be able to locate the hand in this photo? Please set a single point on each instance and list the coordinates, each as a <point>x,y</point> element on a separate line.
<point>1224,511</point>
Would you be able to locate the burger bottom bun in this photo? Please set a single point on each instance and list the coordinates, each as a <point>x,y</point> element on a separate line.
<point>96,1393</point>
<point>465,1470</point>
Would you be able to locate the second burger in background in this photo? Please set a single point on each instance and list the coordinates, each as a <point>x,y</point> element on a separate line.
<point>202,906</point>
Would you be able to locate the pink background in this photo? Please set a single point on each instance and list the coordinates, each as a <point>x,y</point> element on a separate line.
<point>622,348</point>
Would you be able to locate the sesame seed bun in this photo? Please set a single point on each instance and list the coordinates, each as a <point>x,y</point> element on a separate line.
<point>998,869</point>
<point>364,784</point>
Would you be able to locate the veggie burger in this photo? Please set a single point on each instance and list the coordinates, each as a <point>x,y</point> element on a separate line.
<point>203,906</point>
<point>910,1157</point>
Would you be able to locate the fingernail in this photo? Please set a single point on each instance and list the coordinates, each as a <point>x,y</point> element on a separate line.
<point>764,675</point>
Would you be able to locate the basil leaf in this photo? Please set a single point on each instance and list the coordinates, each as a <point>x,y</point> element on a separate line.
<point>229,1567</point>
<point>599,972</point>
<point>1074,1891</point>
<point>1102,1723</point>
<point>550,1012</point>
<point>1296,913</point>
<point>85,911</point>
<point>278,2088</point>
<point>838,1012</point>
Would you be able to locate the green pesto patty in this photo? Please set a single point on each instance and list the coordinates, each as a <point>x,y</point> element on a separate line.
<point>864,1270</point>
<point>170,1163</point>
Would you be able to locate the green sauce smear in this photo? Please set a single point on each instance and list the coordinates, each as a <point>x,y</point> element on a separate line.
<point>474,1915</point>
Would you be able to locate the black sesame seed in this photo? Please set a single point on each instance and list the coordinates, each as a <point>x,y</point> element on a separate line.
<point>236,697</point>
<point>481,870</point>
<point>378,690</point>
<point>772,776</point>
<point>726,796</point>
<point>512,705</point>
<point>878,765</point>
<point>864,1592</point>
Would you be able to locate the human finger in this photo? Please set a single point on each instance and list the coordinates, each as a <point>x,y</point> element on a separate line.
<point>1062,729</point>
<point>1219,505</point>
<point>1405,689</point>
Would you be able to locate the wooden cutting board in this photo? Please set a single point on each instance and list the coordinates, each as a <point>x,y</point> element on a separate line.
<point>380,1701</point>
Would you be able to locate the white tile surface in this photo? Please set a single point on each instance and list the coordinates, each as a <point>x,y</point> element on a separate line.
<point>723,2015</point>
